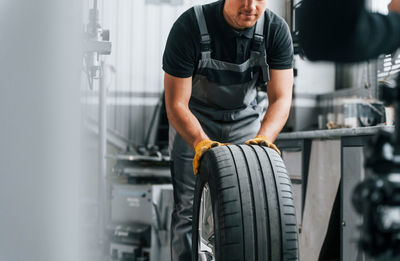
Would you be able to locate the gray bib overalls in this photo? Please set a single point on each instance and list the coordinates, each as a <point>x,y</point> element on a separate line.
<point>223,100</point>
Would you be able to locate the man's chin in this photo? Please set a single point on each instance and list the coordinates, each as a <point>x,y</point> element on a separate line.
<point>247,24</point>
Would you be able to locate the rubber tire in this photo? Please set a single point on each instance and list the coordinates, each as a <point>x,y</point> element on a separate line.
<point>252,199</point>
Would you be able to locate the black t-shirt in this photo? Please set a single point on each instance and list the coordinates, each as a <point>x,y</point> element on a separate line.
<point>182,51</point>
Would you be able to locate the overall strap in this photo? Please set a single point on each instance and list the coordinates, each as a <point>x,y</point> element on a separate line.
<point>205,37</point>
<point>258,36</point>
<point>258,48</point>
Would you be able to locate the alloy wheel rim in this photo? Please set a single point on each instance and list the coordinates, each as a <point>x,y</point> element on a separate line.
<point>206,242</point>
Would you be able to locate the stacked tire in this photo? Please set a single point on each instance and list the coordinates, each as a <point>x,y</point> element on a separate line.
<point>243,206</point>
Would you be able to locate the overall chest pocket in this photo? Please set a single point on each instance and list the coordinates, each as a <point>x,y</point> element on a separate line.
<point>227,97</point>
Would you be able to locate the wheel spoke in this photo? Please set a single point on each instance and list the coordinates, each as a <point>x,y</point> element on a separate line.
<point>206,227</point>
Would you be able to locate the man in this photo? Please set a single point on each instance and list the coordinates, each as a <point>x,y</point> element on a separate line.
<point>344,31</point>
<point>215,57</point>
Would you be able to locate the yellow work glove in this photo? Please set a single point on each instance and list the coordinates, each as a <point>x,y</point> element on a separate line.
<point>200,148</point>
<point>263,141</point>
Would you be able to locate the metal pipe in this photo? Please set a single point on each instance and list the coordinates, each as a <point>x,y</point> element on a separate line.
<point>102,155</point>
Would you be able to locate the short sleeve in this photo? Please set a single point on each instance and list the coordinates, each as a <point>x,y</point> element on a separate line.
<point>280,54</point>
<point>179,57</point>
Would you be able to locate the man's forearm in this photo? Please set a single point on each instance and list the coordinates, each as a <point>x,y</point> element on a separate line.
<point>177,96</point>
<point>275,118</point>
<point>186,124</point>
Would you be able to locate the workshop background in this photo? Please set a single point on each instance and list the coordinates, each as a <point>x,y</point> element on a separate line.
<point>83,134</point>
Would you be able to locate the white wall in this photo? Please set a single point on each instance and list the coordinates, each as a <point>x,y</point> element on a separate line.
<point>280,7</point>
<point>314,77</point>
<point>139,32</point>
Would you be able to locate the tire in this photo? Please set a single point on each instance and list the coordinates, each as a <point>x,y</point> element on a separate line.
<point>250,195</point>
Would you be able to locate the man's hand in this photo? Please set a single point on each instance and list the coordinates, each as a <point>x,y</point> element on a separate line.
<point>200,148</point>
<point>394,6</point>
<point>263,141</point>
